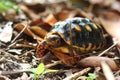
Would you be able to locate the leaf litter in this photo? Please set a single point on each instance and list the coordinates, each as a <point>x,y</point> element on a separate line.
<point>22,29</point>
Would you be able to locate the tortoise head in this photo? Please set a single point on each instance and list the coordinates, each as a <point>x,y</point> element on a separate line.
<point>52,40</point>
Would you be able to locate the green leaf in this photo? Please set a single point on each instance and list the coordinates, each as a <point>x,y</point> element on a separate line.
<point>91,76</point>
<point>3,7</point>
<point>32,70</point>
<point>40,69</point>
<point>34,76</point>
<point>7,4</point>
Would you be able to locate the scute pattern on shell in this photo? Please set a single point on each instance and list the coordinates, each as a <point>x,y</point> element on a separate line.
<point>79,31</point>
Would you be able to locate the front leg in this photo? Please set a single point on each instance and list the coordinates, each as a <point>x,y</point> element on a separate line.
<point>67,59</point>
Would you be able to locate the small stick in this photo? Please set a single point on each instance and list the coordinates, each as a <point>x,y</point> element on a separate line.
<point>76,75</point>
<point>53,64</point>
<point>109,47</point>
<point>8,54</point>
<point>107,71</point>
<point>13,72</point>
<point>19,33</point>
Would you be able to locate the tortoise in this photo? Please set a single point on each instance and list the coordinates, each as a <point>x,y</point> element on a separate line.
<point>74,36</point>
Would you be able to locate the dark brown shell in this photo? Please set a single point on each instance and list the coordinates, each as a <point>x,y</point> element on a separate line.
<point>80,33</point>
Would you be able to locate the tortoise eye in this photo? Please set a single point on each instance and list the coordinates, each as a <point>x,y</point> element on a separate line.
<point>54,38</point>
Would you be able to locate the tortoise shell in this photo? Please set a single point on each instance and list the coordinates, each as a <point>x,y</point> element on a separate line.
<point>79,33</point>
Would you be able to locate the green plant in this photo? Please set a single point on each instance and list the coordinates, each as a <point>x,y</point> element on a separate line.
<point>40,70</point>
<point>91,76</point>
<point>6,5</point>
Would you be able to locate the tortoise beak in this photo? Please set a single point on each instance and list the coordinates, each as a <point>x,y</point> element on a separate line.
<point>42,49</point>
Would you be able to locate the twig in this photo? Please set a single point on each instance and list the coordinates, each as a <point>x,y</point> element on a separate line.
<point>12,44</point>
<point>30,51</point>
<point>23,46</point>
<point>8,54</point>
<point>109,47</point>
<point>107,71</point>
<point>13,72</point>
<point>2,59</point>
<point>19,33</point>
<point>53,64</point>
<point>76,75</point>
<point>117,73</point>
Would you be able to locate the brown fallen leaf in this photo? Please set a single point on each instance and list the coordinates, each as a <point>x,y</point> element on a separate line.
<point>38,31</point>
<point>27,31</point>
<point>51,19</point>
<point>95,61</point>
<point>31,14</point>
<point>62,15</point>
<point>36,8</point>
<point>72,12</point>
<point>42,24</point>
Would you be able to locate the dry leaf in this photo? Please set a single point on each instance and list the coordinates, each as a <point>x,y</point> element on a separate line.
<point>62,15</point>
<point>51,19</point>
<point>27,31</point>
<point>6,33</point>
<point>95,61</point>
<point>38,31</point>
<point>42,24</point>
